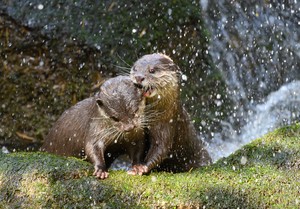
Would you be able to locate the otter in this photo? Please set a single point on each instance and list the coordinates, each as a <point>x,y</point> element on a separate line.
<point>174,145</point>
<point>103,127</point>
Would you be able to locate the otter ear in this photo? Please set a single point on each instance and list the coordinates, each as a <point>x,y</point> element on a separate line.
<point>99,102</point>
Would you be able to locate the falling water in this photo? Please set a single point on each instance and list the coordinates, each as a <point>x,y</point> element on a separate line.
<point>256,47</point>
<point>281,107</point>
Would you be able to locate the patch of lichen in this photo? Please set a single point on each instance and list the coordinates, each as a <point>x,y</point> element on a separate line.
<point>260,181</point>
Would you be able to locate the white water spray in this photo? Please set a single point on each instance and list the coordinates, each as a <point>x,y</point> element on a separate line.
<point>281,107</point>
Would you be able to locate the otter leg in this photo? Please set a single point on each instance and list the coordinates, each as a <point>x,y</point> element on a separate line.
<point>161,141</point>
<point>95,152</point>
<point>136,155</point>
<point>137,152</point>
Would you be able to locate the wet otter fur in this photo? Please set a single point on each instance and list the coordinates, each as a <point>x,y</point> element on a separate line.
<point>104,126</point>
<point>174,145</point>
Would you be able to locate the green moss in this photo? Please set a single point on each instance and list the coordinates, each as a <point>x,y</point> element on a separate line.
<point>271,150</point>
<point>266,179</point>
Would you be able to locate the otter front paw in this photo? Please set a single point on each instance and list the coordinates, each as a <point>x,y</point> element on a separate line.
<point>100,173</point>
<point>138,170</point>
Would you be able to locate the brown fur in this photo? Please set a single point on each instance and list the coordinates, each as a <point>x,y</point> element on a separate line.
<point>104,126</point>
<point>174,145</point>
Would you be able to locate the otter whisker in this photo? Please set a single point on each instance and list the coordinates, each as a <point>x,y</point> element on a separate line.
<point>123,70</point>
<point>151,117</point>
<point>103,133</point>
<point>109,132</point>
<point>153,113</point>
<point>122,135</point>
<point>152,105</point>
<point>147,122</point>
<point>112,136</point>
<point>117,135</point>
<point>99,118</point>
<point>123,60</point>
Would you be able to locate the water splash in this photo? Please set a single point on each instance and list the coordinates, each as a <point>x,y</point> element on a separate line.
<point>255,46</point>
<point>4,150</point>
<point>281,108</point>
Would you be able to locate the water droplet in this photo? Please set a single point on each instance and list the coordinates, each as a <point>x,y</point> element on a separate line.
<point>184,77</point>
<point>243,160</point>
<point>4,150</point>
<point>40,7</point>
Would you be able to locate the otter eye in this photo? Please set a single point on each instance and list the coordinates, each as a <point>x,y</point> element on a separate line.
<point>151,70</point>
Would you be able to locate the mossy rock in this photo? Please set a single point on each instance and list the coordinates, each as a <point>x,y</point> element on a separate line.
<point>262,174</point>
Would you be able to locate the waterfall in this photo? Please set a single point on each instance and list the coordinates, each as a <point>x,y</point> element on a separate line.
<point>256,47</point>
<point>281,107</point>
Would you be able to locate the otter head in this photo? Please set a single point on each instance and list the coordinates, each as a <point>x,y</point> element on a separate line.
<point>154,73</point>
<point>121,104</point>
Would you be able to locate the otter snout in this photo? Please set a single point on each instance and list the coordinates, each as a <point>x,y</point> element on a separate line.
<point>139,79</point>
<point>128,127</point>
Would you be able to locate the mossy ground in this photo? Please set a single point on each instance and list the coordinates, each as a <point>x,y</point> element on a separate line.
<point>262,174</point>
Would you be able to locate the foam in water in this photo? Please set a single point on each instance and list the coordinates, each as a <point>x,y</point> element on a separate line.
<point>280,108</point>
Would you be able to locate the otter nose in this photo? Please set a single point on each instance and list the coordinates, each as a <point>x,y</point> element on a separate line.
<point>128,127</point>
<point>139,79</point>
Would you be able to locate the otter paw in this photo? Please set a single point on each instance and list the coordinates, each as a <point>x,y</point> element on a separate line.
<point>138,170</point>
<point>100,173</point>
